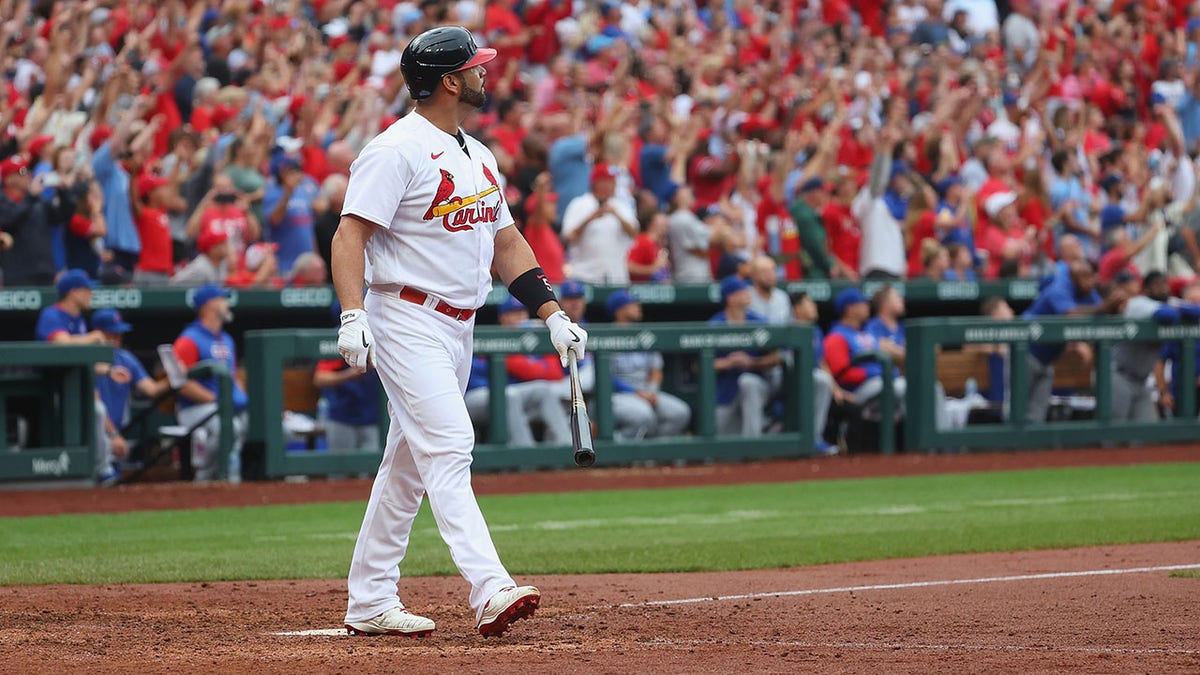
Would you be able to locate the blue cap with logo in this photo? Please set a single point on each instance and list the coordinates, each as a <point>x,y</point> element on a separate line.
<point>946,183</point>
<point>617,300</point>
<point>847,297</point>
<point>109,321</point>
<point>572,288</point>
<point>732,284</point>
<point>207,293</point>
<point>816,183</point>
<point>72,279</point>
<point>511,304</point>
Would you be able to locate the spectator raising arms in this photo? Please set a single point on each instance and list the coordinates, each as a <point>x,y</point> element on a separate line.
<point>742,105</point>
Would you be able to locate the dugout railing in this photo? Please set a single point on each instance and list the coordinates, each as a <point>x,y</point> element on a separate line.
<point>926,337</point>
<point>47,410</point>
<point>691,347</point>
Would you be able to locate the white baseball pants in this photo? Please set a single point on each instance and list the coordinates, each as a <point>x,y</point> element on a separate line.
<point>424,359</point>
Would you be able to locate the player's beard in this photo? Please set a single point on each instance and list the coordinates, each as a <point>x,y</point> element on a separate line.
<point>476,98</point>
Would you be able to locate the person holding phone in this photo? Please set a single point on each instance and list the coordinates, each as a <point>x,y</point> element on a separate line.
<point>225,209</point>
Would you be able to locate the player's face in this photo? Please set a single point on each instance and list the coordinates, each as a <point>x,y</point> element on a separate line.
<point>221,307</point>
<point>806,310</point>
<point>1160,290</point>
<point>632,312</point>
<point>574,307</point>
<point>739,299</point>
<point>472,86</point>
<point>83,296</point>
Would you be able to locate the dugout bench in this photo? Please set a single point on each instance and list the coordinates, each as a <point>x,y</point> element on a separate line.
<point>270,354</point>
<point>926,336</point>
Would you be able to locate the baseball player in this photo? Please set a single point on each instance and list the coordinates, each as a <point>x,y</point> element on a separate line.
<point>1133,362</point>
<point>424,205</point>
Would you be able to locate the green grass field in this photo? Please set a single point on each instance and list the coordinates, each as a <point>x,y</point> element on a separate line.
<point>685,529</point>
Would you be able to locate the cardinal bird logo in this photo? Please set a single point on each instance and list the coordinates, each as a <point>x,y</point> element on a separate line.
<point>487,173</point>
<point>444,190</point>
<point>461,213</point>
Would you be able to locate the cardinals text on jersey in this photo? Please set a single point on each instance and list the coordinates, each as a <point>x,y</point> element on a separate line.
<point>461,213</point>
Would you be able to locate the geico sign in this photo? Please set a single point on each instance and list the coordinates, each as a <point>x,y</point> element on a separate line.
<point>20,300</point>
<point>120,298</point>
<point>306,297</point>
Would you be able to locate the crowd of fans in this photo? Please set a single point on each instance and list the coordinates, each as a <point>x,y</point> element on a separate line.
<point>654,141</point>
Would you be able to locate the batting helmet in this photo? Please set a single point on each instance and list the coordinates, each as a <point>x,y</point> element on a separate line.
<point>436,53</point>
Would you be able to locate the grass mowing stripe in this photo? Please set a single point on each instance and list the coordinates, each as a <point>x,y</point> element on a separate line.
<point>680,529</point>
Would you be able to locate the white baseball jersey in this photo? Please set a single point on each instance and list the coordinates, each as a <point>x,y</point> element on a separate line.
<point>598,256</point>
<point>438,209</point>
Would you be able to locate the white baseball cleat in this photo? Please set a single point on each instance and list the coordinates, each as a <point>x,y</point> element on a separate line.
<point>507,606</point>
<point>395,621</point>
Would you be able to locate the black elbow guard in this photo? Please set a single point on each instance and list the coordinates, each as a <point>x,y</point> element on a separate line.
<point>532,289</point>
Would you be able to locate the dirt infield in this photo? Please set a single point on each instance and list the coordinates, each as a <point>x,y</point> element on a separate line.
<point>1105,609</point>
<point>1128,622</point>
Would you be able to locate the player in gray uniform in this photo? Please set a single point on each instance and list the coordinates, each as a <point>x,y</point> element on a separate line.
<point>1133,362</point>
<point>640,408</point>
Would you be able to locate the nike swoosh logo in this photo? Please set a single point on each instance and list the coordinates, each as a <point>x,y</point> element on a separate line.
<point>436,155</point>
<point>574,337</point>
<point>364,340</point>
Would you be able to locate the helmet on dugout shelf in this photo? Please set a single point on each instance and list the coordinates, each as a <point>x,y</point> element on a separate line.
<point>436,53</point>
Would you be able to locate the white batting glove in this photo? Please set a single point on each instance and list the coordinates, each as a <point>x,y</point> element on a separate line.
<point>566,336</point>
<point>355,342</point>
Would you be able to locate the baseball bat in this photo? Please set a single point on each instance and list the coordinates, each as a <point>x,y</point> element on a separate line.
<point>581,424</point>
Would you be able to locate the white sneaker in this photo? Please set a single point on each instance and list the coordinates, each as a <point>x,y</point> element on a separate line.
<point>395,621</point>
<point>507,606</point>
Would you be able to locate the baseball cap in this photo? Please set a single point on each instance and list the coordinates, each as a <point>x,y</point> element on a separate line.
<point>1193,25</point>
<point>732,284</point>
<point>72,279</point>
<point>289,144</point>
<point>206,294</point>
<point>13,165</point>
<point>601,171</point>
<point>109,320</point>
<point>222,114</point>
<point>1109,180</point>
<point>730,262</point>
<point>946,183</point>
<point>899,168</point>
<point>617,300</point>
<point>995,203</point>
<point>511,304</point>
<point>287,162</point>
<point>99,135</point>
<point>210,239</point>
<point>845,298</point>
<point>815,183</point>
<point>572,288</point>
<point>147,183</point>
<point>533,201</point>
<point>39,143</point>
<point>257,253</point>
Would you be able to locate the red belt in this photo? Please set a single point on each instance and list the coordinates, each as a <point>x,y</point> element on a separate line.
<point>442,307</point>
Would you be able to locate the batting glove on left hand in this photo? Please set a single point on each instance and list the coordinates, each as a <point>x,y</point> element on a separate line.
<point>355,341</point>
<point>566,336</point>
